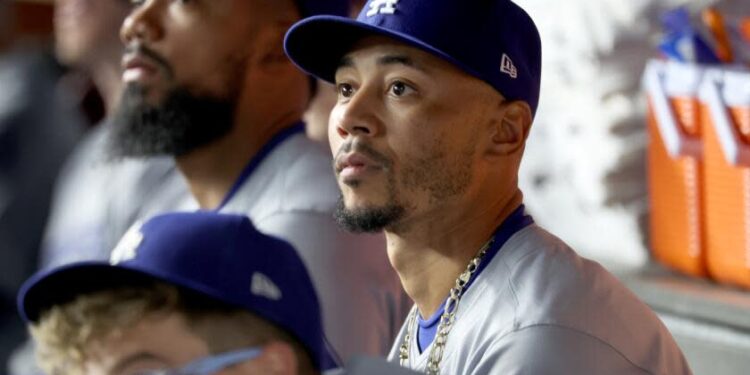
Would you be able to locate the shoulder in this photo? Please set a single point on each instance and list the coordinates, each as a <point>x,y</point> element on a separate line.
<point>309,171</point>
<point>542,269</point>
<point>556,293</point>
<point>546,349</point>
<point>297,176</point>
<point>375,366</point>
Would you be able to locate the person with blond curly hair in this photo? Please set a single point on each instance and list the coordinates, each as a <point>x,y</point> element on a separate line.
<point>185,293</point>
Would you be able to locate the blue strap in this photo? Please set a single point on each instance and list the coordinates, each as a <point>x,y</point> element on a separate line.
<point>277,139</point>
<point>213,364</point>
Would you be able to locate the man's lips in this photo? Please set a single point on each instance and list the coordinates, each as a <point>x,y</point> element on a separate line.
<point>354,165</point>
<point>137,67</point>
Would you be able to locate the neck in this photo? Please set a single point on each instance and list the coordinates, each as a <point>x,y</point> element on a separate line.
<point>275,102</point>
<point>212,170</point>
<point>107,79</point>
<point>431,254</point>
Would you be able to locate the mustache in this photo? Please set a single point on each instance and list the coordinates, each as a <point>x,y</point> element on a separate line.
<point>356,145</point>
<point>155,57</point>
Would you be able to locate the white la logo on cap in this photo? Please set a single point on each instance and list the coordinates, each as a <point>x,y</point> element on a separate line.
<point>261,285</point>
<point>382,7</point>
<point>507,67</point>
<point>127,248</point>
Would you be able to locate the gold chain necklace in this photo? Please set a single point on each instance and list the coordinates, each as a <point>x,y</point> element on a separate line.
<point>446,319</point>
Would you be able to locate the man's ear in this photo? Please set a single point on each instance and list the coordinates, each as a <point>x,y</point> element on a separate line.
<point>270,46</point>
<point>277,358</point>
<point>510,128</point>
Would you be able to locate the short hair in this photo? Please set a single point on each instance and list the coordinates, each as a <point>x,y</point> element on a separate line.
<point>65,332</point>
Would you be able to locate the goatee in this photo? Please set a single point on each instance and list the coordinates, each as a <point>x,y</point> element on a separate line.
<point>367,220</point>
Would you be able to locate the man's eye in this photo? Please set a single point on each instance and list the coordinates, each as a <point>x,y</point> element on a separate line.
<point>345,90</point>
<point>399,88</point>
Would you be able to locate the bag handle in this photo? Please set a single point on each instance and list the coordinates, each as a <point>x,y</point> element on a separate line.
<point>677,142</point>
<point>736,152</point>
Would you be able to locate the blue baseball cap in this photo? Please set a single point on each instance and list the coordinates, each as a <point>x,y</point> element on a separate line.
<point>309,8</point>
<point>220,256</point>
<point>493,40</point>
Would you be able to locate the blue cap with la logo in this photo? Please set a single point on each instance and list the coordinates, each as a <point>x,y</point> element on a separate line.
<point>220,256</point>
<point>493,40</point>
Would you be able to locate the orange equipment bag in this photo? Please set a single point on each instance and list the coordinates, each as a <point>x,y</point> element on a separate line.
<point>675,165</point>
<point>725,96</point>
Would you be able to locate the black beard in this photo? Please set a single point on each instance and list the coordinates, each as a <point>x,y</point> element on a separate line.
<point>369,220</point>
<point>182,123</point>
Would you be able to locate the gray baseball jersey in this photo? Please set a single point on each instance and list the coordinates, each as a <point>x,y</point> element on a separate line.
<point>96,200</point>
<point>289,191</point>
<point>539,308</point>
<point>370,366</point>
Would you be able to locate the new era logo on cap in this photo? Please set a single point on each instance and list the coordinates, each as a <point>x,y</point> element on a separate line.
<point>382,7</point>
<point>507,67</point>
<point>127,248</point>
<point>261,285</point>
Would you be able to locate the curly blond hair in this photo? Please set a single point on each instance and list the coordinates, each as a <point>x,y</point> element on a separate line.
<point>66,332</point>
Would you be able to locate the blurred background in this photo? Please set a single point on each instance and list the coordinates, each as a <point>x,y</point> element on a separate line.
<point>39,127</point>
<point>602,169</point>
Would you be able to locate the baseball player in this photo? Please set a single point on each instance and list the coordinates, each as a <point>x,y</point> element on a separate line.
<point>96,199</point>
<point>436,99</point>
<point>207,82</point>
<point>185,293</point>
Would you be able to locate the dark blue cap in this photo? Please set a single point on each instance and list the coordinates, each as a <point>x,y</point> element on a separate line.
<point>310,8</point>
<point>220,256</point>
<point>493,40</point>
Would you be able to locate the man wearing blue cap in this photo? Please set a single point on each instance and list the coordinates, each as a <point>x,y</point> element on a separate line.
<point>207,82</point>
<point>436,99</point>
<point>184,294</point>
<point>192,293</point>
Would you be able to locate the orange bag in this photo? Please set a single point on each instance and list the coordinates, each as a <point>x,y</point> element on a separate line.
<point>675,166</point>
<point>726,124</point>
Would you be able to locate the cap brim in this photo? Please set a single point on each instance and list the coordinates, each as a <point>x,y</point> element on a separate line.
<point>61,285</point>
<point>329,360</point>
<point>317,44</point>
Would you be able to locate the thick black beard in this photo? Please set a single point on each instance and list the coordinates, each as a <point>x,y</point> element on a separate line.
<point>182,123</point>
<point>370,220</point>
